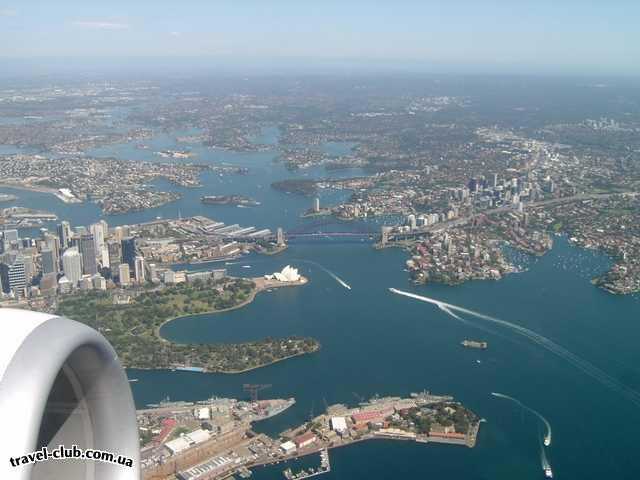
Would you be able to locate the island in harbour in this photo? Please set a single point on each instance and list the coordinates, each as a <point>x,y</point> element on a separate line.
<point>175,154</point>
<point>237,200</point>
<point>5,197</point>
<point>132,321</point>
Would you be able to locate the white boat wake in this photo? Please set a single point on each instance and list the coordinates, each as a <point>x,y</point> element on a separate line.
<point>579,363</point>
<point>547,437</point>
<point>474,325</point>
<point>339,280</point>
<point>544,462</point>
<point>328,272</point>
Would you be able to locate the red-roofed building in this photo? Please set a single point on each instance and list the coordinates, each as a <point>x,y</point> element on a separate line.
<point>168,424</point>
<point>460,436</point>
<point>305,439</point>
<point>370,416</point>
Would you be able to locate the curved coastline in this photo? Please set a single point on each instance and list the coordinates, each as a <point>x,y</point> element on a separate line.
<point>244,303</point>
<point>260,286</point>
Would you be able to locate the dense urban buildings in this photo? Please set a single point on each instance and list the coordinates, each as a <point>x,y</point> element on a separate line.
<point>163,197</point>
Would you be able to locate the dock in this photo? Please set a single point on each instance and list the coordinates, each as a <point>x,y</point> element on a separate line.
<point>325,467</point>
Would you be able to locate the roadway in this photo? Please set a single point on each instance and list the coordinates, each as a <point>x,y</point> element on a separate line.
<point>507,208</point>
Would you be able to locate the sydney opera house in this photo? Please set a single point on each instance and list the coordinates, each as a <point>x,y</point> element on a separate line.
<point>288,274</point>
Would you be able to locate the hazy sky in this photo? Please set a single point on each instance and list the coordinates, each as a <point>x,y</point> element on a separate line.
<point>518,36</point>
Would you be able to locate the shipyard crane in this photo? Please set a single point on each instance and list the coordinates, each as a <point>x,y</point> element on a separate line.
<point>253,390</point>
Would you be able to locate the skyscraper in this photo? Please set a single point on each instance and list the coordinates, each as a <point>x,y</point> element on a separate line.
<point>9,238</point>
<point>411,221</point>
<point>52,242</point>
<point>10,235</point>
<point>49,261</point>
<point>104,257</point>
<point>140,269</point>
<point>88,251</point>
<point>118,234</point>
<point>72,265</point>
<point>124,275</point>
<point>97,230</point>
<point>13,276</point>
<point>64,234</point>
<point>129,252</point>
<point>105,228</point>
<point>29,267</point>
<point>115,254</point>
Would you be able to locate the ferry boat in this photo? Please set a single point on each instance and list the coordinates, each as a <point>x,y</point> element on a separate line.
<point>474,344</point>
<point>548,473</point>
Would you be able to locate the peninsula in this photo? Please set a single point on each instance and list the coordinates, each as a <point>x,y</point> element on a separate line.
<point>225,444</point>
<point>132,323</point>
<point>237,200</point>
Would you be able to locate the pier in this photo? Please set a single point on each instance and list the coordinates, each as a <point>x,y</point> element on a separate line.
<point>325,467</point>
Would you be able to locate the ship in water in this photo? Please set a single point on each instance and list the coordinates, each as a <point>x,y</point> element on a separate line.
<point>238,200</point>
<point>548,473</point>
<point>474,344</point>
<point>276,407</point>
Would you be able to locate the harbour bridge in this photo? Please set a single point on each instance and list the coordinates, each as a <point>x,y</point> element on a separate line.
<point>326,229</point>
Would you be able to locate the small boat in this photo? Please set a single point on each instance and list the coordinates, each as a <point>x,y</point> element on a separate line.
<point>548,473</point>
<point>246,266</point>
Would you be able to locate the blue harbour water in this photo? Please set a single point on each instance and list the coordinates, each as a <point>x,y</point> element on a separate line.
<point>377,342</point>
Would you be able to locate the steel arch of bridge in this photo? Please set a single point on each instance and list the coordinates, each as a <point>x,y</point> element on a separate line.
<point>360,228</point>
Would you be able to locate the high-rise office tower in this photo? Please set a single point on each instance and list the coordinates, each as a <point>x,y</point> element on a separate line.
<point>29,267</point>
<point>411,221</point>
<point>97,230</point>
<point>10,235</point>
<point>64,234</point>
<point>52,242</point>
<point>88,251</point>
<point>104,257</point>
<point>124,274</point>
<point>9,240</point>
<point>140,269</point>
<point>118,234</point>
<point>13,276</point>
<point>72,265</point>
<point>115,254</point>
<point>105,228</point>
<point>129,252</point>
<point>49,261</point>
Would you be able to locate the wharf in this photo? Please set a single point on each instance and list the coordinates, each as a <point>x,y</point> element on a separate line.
<point>325,467</point>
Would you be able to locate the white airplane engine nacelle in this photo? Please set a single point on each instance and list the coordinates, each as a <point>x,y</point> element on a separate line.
<point>61,383</point>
